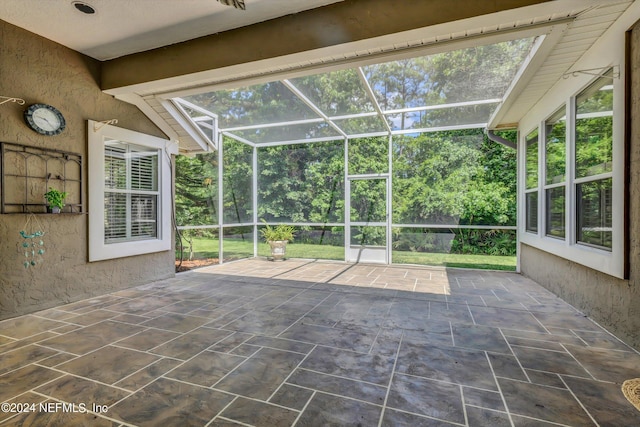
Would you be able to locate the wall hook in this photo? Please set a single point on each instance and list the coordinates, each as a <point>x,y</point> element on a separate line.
<point>97,126</point>
<point>4,99</point>
<point>597,72</point>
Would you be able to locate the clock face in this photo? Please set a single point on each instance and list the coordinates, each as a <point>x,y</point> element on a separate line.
<point>44,119</point>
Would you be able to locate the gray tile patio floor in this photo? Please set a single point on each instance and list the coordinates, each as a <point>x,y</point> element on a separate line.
<point>317,344</point>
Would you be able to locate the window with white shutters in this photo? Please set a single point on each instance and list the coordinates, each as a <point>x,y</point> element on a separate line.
<point>130,200</point>
<point>131,192</point>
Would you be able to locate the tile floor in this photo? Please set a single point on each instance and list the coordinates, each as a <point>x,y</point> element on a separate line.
<point>316,344</point>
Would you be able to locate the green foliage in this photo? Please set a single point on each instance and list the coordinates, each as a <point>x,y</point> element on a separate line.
<point>446,178</point>
<point>279,232</point>
<point>196,196</point>
<point>300,183</point>
<point>55,197</point>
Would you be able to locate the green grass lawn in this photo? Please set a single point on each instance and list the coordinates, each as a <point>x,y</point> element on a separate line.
<point>208,248</point>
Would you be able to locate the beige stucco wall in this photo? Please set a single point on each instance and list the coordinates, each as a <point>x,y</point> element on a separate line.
<point>612,302</point>
<point>38,70</point>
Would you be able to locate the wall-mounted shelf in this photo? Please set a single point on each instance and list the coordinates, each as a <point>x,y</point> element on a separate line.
<point>27,172</point>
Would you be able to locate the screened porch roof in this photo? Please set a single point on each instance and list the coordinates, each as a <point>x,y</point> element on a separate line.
<point>451,90</point>
<point>448,89</point>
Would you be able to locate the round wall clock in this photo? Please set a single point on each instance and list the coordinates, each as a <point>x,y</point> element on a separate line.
<point>44,119</point>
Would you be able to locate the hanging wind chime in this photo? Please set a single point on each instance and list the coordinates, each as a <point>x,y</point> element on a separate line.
<point>32,244</point>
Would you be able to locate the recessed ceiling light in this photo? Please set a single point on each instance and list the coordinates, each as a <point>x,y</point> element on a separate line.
<point>84,7</point>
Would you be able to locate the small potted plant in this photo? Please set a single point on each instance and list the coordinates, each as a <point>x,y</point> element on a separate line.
<point>277,238</point>
<point>55,199</point>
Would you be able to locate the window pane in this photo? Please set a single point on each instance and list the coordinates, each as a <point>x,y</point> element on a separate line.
<point>594,212</point>
<point>555,147</point>
<point>532,212</point>
<point>532,159</point>
<point>555,212</point>
<point>144,170</point>
<point>115,165</point>
<point>142,211</point>
<point>594,128</point>
<point>144,214</point>
<point>115,217</point>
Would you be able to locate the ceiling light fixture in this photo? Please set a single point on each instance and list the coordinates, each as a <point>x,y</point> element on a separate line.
<point>84,7</point>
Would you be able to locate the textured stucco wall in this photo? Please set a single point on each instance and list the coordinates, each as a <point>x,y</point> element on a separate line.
<point>612,302</point>
<point>38,70</point>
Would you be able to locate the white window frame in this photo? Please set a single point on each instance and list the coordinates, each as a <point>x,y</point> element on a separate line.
<point>543,164</point>
<point>533,190</point>
<point>607,261</point>
<point>98,249</point>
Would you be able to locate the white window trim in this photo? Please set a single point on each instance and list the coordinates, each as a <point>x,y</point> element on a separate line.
<point>609,262</point>
<point>608,51</point>
<point>98,250</point>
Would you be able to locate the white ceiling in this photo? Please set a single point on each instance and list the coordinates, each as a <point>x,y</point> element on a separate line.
<point>122,27</point>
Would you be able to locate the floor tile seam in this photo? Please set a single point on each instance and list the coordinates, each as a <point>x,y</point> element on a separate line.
<point>475,349</point>
<point>219,390</point>
<point>229,420</point>
<point>291,373</point>
<point>391,377</point>
<point>15,340</point>
<point>289,270</point>
<point>260,346</point>
<point>606,331</point>
<point>304,408</point>
<point>529,417</point>
<point>185,361</point>
<point>547,385</point>
<point>453,338</point>
<point>251,336</point>
<point>75,356</point>
<point>178,313</point>
<point>234,319</point>
<point>39,316</point>
<point>53,349</point>
<point>531,347</point>
<point>513,353</point>
<point>229,373</point>
<point>578,362</point>
<point>375,339</point>
<point>148,351</point>
<point>485,408</point>
<point>502,396</point>
<point>238,396</point>
<point>473,319</point>
<point>507,336</point>
<point>304,315</point>
<point>464,407</point>
<point>342,377</point>
<point>584,408</point>
<point>339,273</point>
<point>138,371</point>
<point>60,371</point>
<point>453,423</point>
<point>404,374</point>
<point>99,415</point>
<point>216,416</point>
<point>341,396</point>
<point>27,344</point>
<point>32,390</point>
